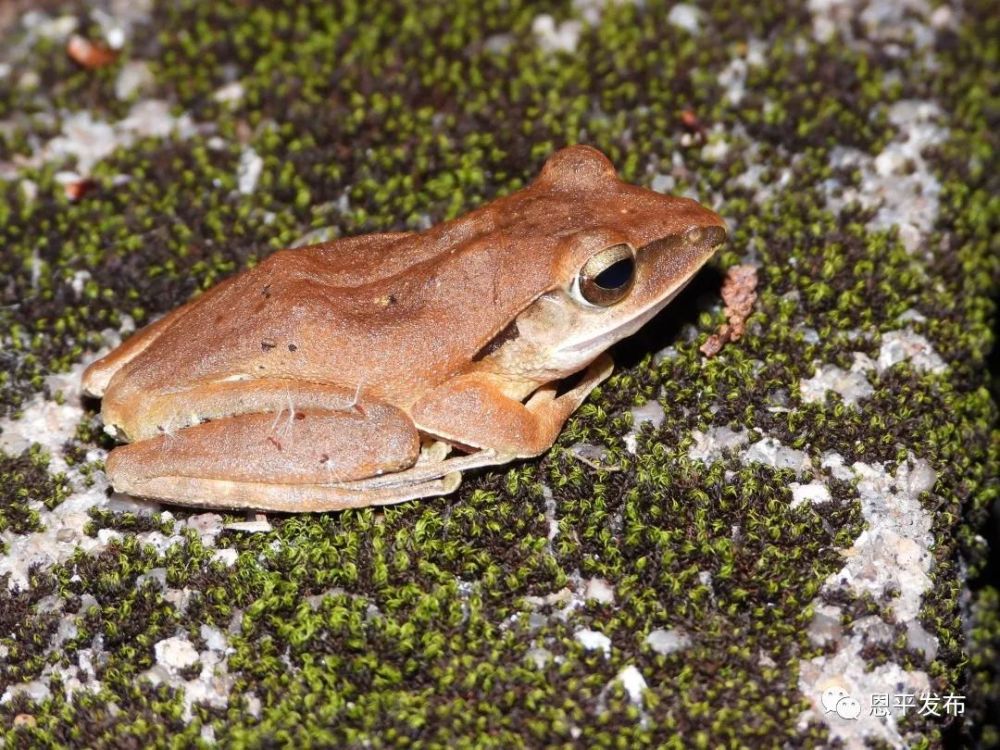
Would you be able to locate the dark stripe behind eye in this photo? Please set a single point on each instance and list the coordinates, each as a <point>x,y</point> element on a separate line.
<point>510,333</point>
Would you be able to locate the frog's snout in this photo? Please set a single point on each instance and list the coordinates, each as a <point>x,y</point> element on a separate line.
<point>706,237</point>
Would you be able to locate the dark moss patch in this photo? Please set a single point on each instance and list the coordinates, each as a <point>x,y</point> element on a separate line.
<point>126,522</point>
<point>26,628</point>
<point>24,482</point>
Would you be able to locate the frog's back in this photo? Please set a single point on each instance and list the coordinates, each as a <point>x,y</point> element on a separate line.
<point>392,313</point>
<point>386,311</point>
<point>235,328</point>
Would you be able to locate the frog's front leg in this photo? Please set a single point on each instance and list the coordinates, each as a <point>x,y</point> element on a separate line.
<point>473,411</point>
<point>301,460</point>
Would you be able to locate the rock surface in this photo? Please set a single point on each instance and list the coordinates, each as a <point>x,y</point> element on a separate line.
<point>774,546</point>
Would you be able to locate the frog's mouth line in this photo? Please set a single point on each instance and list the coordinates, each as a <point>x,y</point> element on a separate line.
<point>691,256</point>
<point>602,341</point>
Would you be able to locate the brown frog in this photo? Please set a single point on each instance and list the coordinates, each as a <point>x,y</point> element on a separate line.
<point>342,374</point>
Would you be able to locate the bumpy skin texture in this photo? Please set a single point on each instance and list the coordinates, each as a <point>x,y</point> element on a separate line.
<point>388,325</point>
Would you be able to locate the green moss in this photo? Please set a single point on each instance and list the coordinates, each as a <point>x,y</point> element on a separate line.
<point>413,625</point>
<point>24,484</point>
<point>126,522</point>
<point>985,643</point>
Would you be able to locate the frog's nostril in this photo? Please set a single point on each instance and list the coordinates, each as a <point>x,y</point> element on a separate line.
<point>707,236</point>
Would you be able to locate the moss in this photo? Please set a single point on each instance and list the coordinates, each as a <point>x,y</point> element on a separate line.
<point>985,642</point>
<point>414,625</point>
<point>126,522</point>
<point>25,484</point>
<point>24,630</point>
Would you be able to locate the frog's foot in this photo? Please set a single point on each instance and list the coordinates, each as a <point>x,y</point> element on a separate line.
<point>315,460</point>
<point>431,471</point>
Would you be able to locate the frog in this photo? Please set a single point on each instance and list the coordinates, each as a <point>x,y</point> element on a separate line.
<point>378,368</point>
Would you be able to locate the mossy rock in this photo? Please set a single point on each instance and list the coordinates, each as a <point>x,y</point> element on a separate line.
<point>800,513</point>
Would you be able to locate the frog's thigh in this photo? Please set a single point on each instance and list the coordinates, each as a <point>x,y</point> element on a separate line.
<point>472,411</point>
<point>277,462</point>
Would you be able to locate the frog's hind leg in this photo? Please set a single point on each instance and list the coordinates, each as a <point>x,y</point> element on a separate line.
<point>309,460</point>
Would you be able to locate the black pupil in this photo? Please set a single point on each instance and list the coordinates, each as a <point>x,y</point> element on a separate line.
<point>616,275</point>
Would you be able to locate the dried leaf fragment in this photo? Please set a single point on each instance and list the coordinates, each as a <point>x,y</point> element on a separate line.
<point>89,54</point>
<point>76,189</point>
<point>739,292</point>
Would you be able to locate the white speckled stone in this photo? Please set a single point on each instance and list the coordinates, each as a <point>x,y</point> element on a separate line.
<point>687,17</point>
<point>897,183</point>
<point>175,653</point>
<point>594,641</point>
<point>667,641</point>
<point>552,38</point>
<point>893,553</point>
<point>651,412</point>
<point>539,657</point>
<point>814,493</point>
<point>852,385</point>
<point>231,93</point>
<point>899,346</point>
<point>135,76</point>
<point>36,690</point>
<point>772,453</point>
<point>633,682</point>
<point>227,556</point>
<point>600,590</point>
<point>834,462</point>
<point>208,526</point>
<point>248,171</point>
<point>709,446</point>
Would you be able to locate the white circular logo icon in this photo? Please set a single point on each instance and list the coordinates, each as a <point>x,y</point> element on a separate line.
<point>848,708</point>
<point>832,696</point>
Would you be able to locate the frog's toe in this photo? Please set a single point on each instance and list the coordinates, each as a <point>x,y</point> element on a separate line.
<point>285,498</point>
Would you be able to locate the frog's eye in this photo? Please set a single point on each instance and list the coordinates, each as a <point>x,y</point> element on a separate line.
<point>607,276</point>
